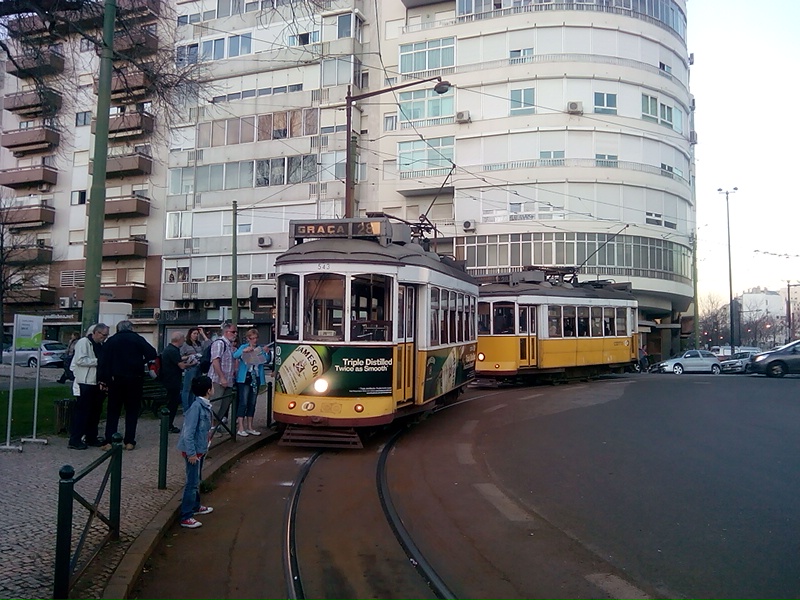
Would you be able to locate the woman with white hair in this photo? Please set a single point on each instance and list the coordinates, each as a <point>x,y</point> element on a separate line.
<point>89,405</point>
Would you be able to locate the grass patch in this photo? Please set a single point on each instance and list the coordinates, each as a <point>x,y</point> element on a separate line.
<point>22,411</point>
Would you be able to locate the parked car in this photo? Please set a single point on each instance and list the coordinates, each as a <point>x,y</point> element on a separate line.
<point>738,363</point>
<point>778,362</point>
<point>691,361</point>
<point>53,353</point>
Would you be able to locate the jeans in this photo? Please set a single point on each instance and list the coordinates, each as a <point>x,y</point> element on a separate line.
<point>86,414</point>
<point>246,400</point>
<point>191,493</point>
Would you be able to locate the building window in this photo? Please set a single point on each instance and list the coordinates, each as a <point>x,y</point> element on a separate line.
<point>186,55</point>
<point>303,39</point>
<point>650,108</point>
<point>77,197</point>
<point>213,49</point>
<point>523,55</point>
<point>179,225</point>
<point>605,103</point>
<point>86,45</point>
<point>666,115</point>
<point>390,122</point>
<point>348,25</point>
<point>337,71</point>
<point>429,55</point>
<point>664,67</point>
<point>422,155</point>
<point>426,104</point>
<point>606,160</point>
<point>239,45</point>
<point>551,158</point>
<point>522,101</point>
<point>83,118</point>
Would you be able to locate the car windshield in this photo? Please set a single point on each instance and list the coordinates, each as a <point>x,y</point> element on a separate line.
<point>54,347</point>
<point>740,355</point>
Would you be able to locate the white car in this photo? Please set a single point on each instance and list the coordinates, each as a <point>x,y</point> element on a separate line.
<point>691,361</point>
<point>738,363</point>
<point>52,354</point>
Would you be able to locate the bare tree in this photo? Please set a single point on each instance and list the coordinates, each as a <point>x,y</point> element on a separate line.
<point>24,261</point>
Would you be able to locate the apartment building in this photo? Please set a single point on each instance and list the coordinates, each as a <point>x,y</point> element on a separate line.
<point>565,139</point>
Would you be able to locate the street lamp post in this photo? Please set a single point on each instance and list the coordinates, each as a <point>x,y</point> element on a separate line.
<point>349,177</point>
<point>730,260</point>
<point>789,322</point>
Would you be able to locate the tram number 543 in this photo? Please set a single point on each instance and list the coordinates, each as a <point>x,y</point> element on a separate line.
<point>323,266</point>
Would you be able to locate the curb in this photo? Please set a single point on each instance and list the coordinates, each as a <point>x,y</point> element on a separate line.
<point>130,567</point>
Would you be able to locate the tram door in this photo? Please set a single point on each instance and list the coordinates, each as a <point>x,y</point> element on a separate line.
<point>526,331</point>
<point>406,343</point>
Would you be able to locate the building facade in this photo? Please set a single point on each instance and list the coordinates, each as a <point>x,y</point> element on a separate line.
<point>565,138</point>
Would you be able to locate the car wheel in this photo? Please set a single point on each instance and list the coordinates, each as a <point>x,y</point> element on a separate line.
<point>678,369</point>
<point>32,363</point>
<point>715,369</point>
<point>776,369</point>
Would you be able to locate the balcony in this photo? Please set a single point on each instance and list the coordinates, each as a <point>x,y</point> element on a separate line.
<point>123,292</point>
<point>133,10</point>
<point>40,294</point>
<point>125,165</point>
<point>129,125</point>
<point>135,43</point>
<point>31,140</point>
<point>47,62</point>
<point>33,26</point>
<point>33,255</point>
<point>134,85</point>
<point>126,248</point>
<point>25,177</point>
<point>33,103</point>
<point>19,217</point>
<point>127,206</point>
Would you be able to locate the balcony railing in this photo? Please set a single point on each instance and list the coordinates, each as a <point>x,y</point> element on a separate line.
<point>133,85</point>
<point>33,103</point>
<point>31,140</point>
<point>41,294</point>
<point>128,125</point>
<point>48,62</point>
<point>25,177</point>
<point>127,206</point>
<point>124,292</point>
<point>19,217</point>
<point>131,10</point>
<point>134,42</point>
<point>125,248</point>
<point>128,164</point>
<point>34,255</point>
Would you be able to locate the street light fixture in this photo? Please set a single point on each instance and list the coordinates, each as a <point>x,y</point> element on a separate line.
<point>730,262</point>
<point>349,177</point>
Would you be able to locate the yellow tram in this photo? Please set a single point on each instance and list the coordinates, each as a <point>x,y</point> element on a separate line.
<point>370,325</point>
<point>534,327</point>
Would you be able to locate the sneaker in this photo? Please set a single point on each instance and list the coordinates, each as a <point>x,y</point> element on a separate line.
<point>130,446</point>
<point>105,447</point>
<point>191,523</point>
<point>78,446</point>
<point>253,432</point>
<point>242,433</point>
<point>174,429</point>
<point>204,510</point>
<point>96,443</point>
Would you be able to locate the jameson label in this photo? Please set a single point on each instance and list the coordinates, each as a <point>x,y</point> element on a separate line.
<point>447,369</point>
<point>350,372</point>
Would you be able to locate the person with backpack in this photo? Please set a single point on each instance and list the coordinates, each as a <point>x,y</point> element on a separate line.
<point>171,375</point>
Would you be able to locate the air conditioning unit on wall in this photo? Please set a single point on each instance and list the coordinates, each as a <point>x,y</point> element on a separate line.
<point>574,107</point>
<point>468,225</point>
<point>264,241</point>
<point>462,116</point>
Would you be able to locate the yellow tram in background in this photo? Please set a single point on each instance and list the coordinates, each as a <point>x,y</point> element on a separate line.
<point>370,326</point>
<point>531,326</point>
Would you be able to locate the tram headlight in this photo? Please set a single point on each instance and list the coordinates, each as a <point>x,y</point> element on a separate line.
<point>359,408</point>
<point>292,404</point>
<point>320,385</point>
<point>481,356</point>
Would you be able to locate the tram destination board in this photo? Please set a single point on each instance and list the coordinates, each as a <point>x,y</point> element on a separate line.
<point>349,228</point>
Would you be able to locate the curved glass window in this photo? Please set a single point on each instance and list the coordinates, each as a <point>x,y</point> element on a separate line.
<point>370,308</point>
<point>323,307</point>
<point>288,306</point>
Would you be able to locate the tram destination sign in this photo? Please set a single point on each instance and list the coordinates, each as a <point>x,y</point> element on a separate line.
<point>338,228</point>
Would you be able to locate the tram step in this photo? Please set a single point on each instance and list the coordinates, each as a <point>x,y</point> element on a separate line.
<point>320,437</point>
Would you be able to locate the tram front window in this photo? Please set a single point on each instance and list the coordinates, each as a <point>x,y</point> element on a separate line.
<point>323,307</point>
<point>288,306</point>
<point>503,319</point>
<point>370,305</point>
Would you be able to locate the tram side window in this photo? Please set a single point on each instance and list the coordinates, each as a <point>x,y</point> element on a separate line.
<point>472,302</point>
<point>523,320</point>
<point>460,318</point>
<point>288,306</point>
<point>554,321</point>
<point>609,327</point>
<point>569,321</point>
<point>434,323</point>
<point>401,311</point>
<point>443,308</point>
<point>622,322</point>
<point>583,321</point>
<point>597,321</point>
<point>484,318</point>
<point>503,320</point>
<point>323,307</point>
<point>370,304</point>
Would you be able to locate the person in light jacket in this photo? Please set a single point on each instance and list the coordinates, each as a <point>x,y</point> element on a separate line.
<point>89,405</point>
<point>193,444</point>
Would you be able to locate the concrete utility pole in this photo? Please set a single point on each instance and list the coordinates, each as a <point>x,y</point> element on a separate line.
<point>234,267</point>
<point>97,194</point>
<point>730,261</point>
<point>695,292</point>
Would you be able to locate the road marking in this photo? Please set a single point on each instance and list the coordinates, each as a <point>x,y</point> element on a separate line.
<point>616,587</point>
<point>494,408</point>
<point>531,396</point>
<point>469,426</point>
<point>507,507</point>
<point>701,382</point>
<point>464,454</point>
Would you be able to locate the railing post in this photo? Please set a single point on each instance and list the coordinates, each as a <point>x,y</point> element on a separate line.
<point>162,448</point>
<point>115,489</point>
<point>269,404</point>
<point>234,410</point>
<point>61,575</point>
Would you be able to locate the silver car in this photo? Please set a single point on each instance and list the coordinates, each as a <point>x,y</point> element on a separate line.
<point>738,363</point>
<point>691,361</point>
<point>53,353</point>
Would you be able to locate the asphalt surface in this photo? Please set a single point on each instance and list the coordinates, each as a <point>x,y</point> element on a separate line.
<point>29,493</point>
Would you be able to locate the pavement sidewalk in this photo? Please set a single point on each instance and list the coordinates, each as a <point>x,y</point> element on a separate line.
<point>29,494</point>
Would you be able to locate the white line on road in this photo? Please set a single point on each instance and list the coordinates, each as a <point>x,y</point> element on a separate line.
<point>494,408</point>
<point>616,587</point>
<point>507,507</point>
<point>464,454</point>
<point>531,396</point>
<point>469,426</point>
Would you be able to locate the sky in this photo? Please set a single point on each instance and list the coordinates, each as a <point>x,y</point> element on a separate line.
<point>745,83</point>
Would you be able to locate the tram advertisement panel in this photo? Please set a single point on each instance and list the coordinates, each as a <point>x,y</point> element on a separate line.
<point>448,368</point>
<point>348,371</point>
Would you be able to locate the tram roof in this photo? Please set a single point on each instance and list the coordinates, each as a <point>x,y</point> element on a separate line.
<point>364,251</point>
<point>580,290</point>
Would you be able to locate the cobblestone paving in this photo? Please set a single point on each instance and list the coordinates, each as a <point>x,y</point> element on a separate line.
<point>28,504</point>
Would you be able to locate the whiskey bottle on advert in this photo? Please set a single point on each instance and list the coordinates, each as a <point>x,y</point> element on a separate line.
<point>301,367</point>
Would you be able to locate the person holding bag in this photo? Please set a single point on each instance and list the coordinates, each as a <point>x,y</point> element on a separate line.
<point>249,376</point>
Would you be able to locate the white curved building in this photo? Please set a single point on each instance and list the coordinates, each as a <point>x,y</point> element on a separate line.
<point>567,139</point>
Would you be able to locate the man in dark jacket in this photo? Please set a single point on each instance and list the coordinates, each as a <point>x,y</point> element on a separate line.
<point>171,375</point>
<point>121,369</point>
